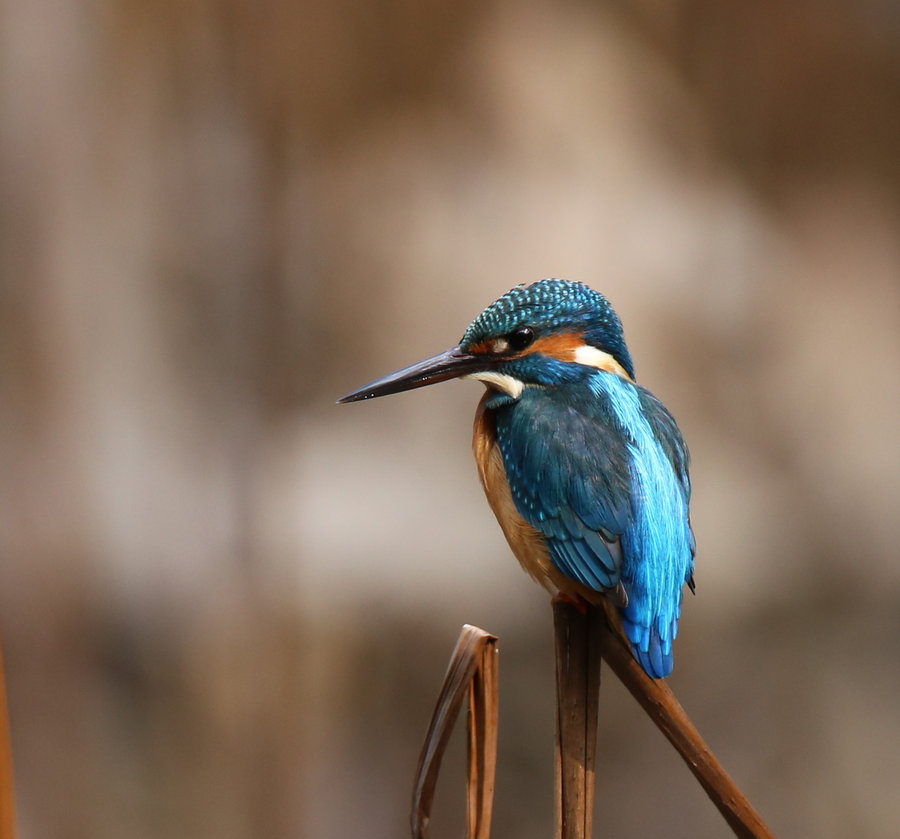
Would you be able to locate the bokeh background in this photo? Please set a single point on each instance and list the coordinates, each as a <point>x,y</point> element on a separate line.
<point>227,603</point>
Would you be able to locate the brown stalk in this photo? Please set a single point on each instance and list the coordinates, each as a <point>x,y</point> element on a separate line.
<point>472,672</point>
<point>656,698</point>
<point>577,701</point>
<point>484,700</point>
<point>7,796</point>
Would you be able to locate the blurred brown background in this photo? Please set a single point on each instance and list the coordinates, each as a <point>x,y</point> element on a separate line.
<point>227,603</point>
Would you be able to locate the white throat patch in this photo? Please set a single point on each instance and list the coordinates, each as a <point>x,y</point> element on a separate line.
<point>499,381</point>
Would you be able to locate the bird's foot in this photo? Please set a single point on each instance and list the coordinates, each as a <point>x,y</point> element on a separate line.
<point>573,600</point>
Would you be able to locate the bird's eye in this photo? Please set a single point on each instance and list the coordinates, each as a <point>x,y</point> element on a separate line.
<point>520,338</point>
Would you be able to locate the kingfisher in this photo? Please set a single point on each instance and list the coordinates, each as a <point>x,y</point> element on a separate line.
<point>585,470</point>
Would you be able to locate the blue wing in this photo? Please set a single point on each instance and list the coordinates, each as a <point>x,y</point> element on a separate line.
<point>602,472</point>
<point>568,472</point>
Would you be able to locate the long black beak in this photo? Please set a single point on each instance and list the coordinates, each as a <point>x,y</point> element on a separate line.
<point>439,368</point>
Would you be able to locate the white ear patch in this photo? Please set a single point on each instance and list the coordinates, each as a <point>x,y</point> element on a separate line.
<point>592,357</point>
<point>499,381</point>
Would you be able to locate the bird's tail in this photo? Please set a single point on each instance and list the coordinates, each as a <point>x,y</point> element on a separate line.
<point>650,648</point>
<point>652,645</point>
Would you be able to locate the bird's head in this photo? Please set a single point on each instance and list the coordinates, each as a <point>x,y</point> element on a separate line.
<point>546,334</point>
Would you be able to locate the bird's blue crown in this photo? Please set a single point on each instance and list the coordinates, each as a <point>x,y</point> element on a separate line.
<point>553,306</point>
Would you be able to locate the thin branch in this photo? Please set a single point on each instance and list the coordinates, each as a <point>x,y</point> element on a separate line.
<point>484,702</point>
<point>664,709</point>
<point>7,796</point>
<point>577,701</point>
<point>475,652</point>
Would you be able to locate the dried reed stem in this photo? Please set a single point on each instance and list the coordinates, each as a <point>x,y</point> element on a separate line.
<point>7,794</point>
<point>484,702</point>
<point>663,708</point>
<point>577,702</point>
<point>472,671</point>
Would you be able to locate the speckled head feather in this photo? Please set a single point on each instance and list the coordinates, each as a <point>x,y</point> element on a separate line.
<point>553,306</point>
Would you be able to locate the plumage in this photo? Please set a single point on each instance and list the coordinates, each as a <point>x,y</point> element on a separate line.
<point>585,470</point>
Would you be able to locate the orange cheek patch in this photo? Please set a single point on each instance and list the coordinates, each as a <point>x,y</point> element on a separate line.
<point>570,346</point>
<point>482,347</point>
<point>561,346</point>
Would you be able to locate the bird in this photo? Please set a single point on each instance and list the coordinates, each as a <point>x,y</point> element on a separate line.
<point>585,470</point>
